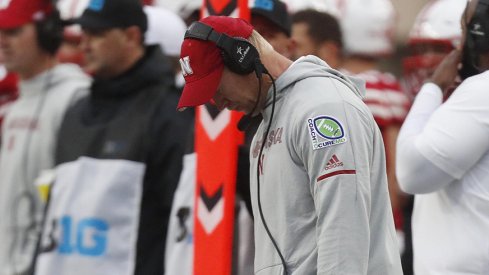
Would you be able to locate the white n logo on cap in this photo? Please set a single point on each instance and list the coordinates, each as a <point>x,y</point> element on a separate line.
<point>185,65</point>
<point>4,4</point>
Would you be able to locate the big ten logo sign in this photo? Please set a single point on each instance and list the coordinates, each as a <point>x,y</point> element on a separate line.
<point>87,237</point>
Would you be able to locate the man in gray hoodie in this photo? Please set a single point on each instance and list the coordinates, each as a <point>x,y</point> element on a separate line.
<point>30,34</point>
<point>318,180</point>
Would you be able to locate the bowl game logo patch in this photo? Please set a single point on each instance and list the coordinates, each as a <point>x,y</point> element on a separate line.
<point>325,131</point>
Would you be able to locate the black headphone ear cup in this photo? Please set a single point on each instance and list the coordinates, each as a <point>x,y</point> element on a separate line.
<point>478,28</point>
<point>50,33</point>
<point>229,63</point>
<point>240,56</point>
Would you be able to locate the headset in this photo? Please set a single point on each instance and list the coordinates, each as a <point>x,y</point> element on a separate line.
<point>50,32</point>
<point>478,28</point>
<point>241,57</point>
<point>238,54</point>
<point>476,39</point>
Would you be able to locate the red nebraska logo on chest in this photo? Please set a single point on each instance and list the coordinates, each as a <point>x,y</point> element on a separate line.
<point>274,137</point>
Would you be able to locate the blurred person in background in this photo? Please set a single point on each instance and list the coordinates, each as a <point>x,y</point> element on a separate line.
<point>317,33</point>
<point>367,27</point>
<point>434,34</point>
<point>450,217</point>
<point>117,174</point>
<point>443,155</point>
<point>70,50</point>
<point>272,20</point>
<point>166,29</point>
<point>30,34</point>
<point>298,5</point>
<point>188,10</point>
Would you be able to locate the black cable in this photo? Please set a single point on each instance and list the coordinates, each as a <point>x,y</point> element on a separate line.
<point>282,259</point>
<point>247,119</point>
<point>259,71</point>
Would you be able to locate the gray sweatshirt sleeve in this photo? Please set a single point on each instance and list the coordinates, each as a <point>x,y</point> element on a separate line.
<point>341,200</point>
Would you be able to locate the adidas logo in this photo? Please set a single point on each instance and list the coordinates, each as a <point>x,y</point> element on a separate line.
<point>333,163</point>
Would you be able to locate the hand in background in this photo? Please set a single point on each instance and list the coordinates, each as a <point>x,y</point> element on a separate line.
<point>446,73</point>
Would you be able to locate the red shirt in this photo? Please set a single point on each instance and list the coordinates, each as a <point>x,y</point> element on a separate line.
<point>384,97</point>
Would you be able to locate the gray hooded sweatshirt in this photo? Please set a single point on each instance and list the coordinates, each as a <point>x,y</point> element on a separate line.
<point>323,184</point>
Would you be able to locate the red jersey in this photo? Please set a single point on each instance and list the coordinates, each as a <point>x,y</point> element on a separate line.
<point>384,97</point>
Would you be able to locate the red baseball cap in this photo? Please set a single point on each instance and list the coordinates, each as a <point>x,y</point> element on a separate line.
<point>202,63</point>
<point>16,13</point>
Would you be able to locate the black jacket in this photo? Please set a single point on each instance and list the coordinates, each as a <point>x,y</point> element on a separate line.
<point>138,110</point>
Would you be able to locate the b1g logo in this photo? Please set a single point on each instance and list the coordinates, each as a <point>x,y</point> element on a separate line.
<point>325,131</point>
<point>86,237</point>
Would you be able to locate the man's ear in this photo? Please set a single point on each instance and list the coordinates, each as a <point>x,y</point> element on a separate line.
<point>134,35</point>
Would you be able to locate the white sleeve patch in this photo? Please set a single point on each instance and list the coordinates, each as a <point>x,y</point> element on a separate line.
<point>325,131</point>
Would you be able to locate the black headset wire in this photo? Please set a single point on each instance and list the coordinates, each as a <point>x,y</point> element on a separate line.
<point>260,209</point>
<point>246,120</point>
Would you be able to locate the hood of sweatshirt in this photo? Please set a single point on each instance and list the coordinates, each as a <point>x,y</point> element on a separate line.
<point>311,66</point>
<point>52,78</point>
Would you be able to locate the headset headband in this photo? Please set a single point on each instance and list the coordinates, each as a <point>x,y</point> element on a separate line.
<point>201,31</point>
<point>239,55</point>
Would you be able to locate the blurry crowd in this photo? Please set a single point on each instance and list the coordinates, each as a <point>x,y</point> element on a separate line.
<point>88,94</point>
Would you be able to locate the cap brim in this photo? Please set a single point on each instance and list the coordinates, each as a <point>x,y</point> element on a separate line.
<point>200,91</point>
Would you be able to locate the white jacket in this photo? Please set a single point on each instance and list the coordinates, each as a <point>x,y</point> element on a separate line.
<point>443,158</point>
